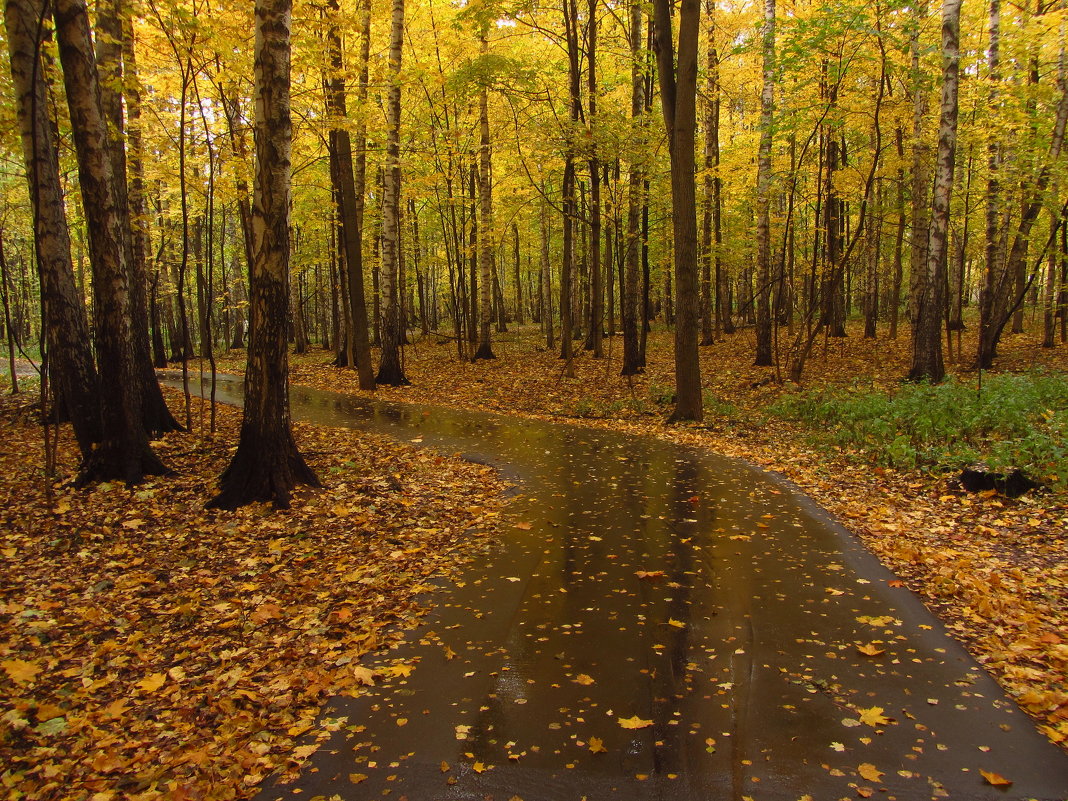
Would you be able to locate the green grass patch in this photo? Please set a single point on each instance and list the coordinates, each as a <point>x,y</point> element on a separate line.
<point>1014,421</point>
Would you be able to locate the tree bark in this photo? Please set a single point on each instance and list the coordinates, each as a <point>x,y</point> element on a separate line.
<point>123,452</point>
<point>763,199</point>
<point>66,329</point>
<point>485,244</point>
<point>678,95</point>
<point>927,361</point>
<point>628,310</point>
<point>340,144</point>
<point>267,464</point>
<point>390,370</point>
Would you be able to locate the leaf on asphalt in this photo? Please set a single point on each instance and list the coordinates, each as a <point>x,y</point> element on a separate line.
<point>996,779</point>
<point>635,723</point>
<point>870,772</point>
<point>873,716</point>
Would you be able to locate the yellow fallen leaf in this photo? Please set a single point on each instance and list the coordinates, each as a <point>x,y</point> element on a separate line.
<point>635,723</point>
<point>444,766</point>
<point>20,670</point>
<point>402,721</point>
<point>995,779</point>
<point>478,767</point>
<point>152,683</point>
<point>583,678</point>
<point>869,649</point>
<point>870,772</point>
<point>873,716</point>
<point>676,623</point>
<point>364,675</point>
<point>523,526</point>
<point>597,746</point>
<point>356,778</point>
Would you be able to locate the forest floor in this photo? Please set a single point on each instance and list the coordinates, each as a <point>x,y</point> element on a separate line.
<point>152,649</point>
<point>994,569</point>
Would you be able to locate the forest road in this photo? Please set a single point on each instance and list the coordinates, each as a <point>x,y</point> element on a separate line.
<point>663,624</point>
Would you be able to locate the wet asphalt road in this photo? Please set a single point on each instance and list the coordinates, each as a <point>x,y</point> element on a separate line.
<point>735,655</point>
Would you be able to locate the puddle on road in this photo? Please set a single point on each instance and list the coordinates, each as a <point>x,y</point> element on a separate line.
<point>670,625</point>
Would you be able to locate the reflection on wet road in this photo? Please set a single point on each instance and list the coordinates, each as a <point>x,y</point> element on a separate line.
<point>663,624</point>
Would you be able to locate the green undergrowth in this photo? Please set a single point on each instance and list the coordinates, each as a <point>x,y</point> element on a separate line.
<point>1014,420</point>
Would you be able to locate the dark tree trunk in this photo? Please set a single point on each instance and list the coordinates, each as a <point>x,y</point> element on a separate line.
<point>66,328</point>
<point>123,452</point>
<point>267,464</point>
<point>678,94</point>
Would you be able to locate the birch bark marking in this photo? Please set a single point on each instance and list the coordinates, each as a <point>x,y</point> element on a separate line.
<point>927,361</point>
<point>390,370</point>
<point>123,452</point>
<point>267,464</point>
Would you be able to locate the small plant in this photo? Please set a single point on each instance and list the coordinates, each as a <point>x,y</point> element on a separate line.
<point>660,394</point>
<point>717,407</point>
<point>1015,421</point>
<point>584,408</point>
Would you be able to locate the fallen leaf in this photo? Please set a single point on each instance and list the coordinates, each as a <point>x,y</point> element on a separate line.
<point>870,650</point>
<point>150,684</point>
<point>650,575</point>
<point>523,526</point>
<point>634,723</point>
<point>20,670</point>
<point>996,779</point>
<point>597,746</point>
<point>584,679</point>
<point>870,772</point>
<point>873,716</point>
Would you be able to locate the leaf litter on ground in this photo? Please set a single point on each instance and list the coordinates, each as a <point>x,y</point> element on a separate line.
<point>152,649</point>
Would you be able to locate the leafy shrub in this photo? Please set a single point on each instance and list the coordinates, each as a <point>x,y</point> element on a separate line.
<point>1013,421</point>
<point>661,395</point>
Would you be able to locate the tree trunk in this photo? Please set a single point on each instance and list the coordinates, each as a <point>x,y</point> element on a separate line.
<point>390,370</point>
<point>267,464</point>
<point>66,329</point>
<point>629,307</point>
<point>927,361</point>
<point>678,95</point>
<point>595,334</point>
<point>763,199</point>
<point>156,416</point>
<point>123,452</point>
<point>485,244</point>
<point>351,201</point>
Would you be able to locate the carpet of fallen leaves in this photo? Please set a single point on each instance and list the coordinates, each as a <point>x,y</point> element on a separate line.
<point>151,649</point>
<point>995,570</point>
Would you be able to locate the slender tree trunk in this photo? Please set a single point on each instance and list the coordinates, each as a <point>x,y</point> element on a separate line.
<point>678,95</point>
<point>927,361</point>
<point>921,176</point>
<point>595,334</point>
<point>763,228</point>
<point>351,203</point>
<point>485,245</point>
<point>267,464</point>
<point>390,370</point>
<point>518,283</point>
<point>154,412</point>
<point>629,306</point>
